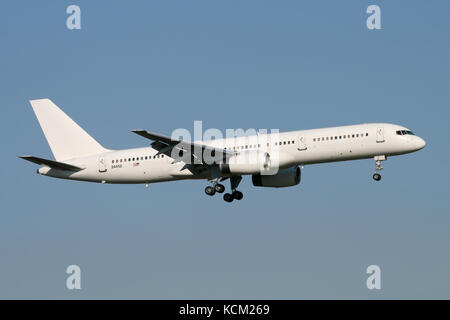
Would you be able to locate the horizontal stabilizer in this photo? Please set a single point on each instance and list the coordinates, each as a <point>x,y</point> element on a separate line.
<point>51,163</point>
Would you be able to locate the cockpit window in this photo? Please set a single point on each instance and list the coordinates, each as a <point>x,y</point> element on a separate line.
<point>404,132</point>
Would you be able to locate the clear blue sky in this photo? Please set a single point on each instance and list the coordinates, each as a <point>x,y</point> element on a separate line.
<point>160,65</point>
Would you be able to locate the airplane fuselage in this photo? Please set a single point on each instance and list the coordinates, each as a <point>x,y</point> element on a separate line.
<point>304,147</point>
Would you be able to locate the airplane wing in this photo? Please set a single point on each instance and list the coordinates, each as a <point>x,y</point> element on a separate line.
<point>165,141</point>
<point>51,163</point>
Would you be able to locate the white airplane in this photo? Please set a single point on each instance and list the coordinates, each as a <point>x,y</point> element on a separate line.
<point>273,160</point>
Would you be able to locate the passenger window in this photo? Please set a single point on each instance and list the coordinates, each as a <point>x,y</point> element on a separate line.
<point>353,135</point>
<point>367,134</point>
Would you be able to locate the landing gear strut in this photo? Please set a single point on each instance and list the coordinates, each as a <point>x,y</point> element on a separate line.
<point>376,176</point>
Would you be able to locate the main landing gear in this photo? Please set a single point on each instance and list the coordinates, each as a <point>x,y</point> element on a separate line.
<point>220,188</point>
<point>235,194</point>
<point>217,187</point>
<point>376,176</point>
<point>228,197</point>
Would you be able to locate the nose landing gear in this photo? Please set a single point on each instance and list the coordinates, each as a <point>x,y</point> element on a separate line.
<point>376,176</point>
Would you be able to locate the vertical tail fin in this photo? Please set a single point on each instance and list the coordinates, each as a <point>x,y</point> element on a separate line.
<point>67,139</point>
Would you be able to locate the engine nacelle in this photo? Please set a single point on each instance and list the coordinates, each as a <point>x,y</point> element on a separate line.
<point>284,178</point>
<point>253,162</point>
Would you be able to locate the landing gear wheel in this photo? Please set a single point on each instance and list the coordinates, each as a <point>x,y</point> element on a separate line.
<point>228,197</point>
<point>376,177</point>
<point>237,195</point>
<point>210,191</point>
<point>219,188</point>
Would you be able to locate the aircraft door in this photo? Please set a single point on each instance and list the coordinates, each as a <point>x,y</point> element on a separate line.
<point>380,134</point>
<point>102,164</point>
<point>302,143</point>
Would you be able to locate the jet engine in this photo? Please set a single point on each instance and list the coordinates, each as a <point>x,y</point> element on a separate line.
<point>283,178</point>
<point>252,162</point>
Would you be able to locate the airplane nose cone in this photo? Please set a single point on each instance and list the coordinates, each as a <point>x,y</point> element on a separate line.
<point>420,143</point>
